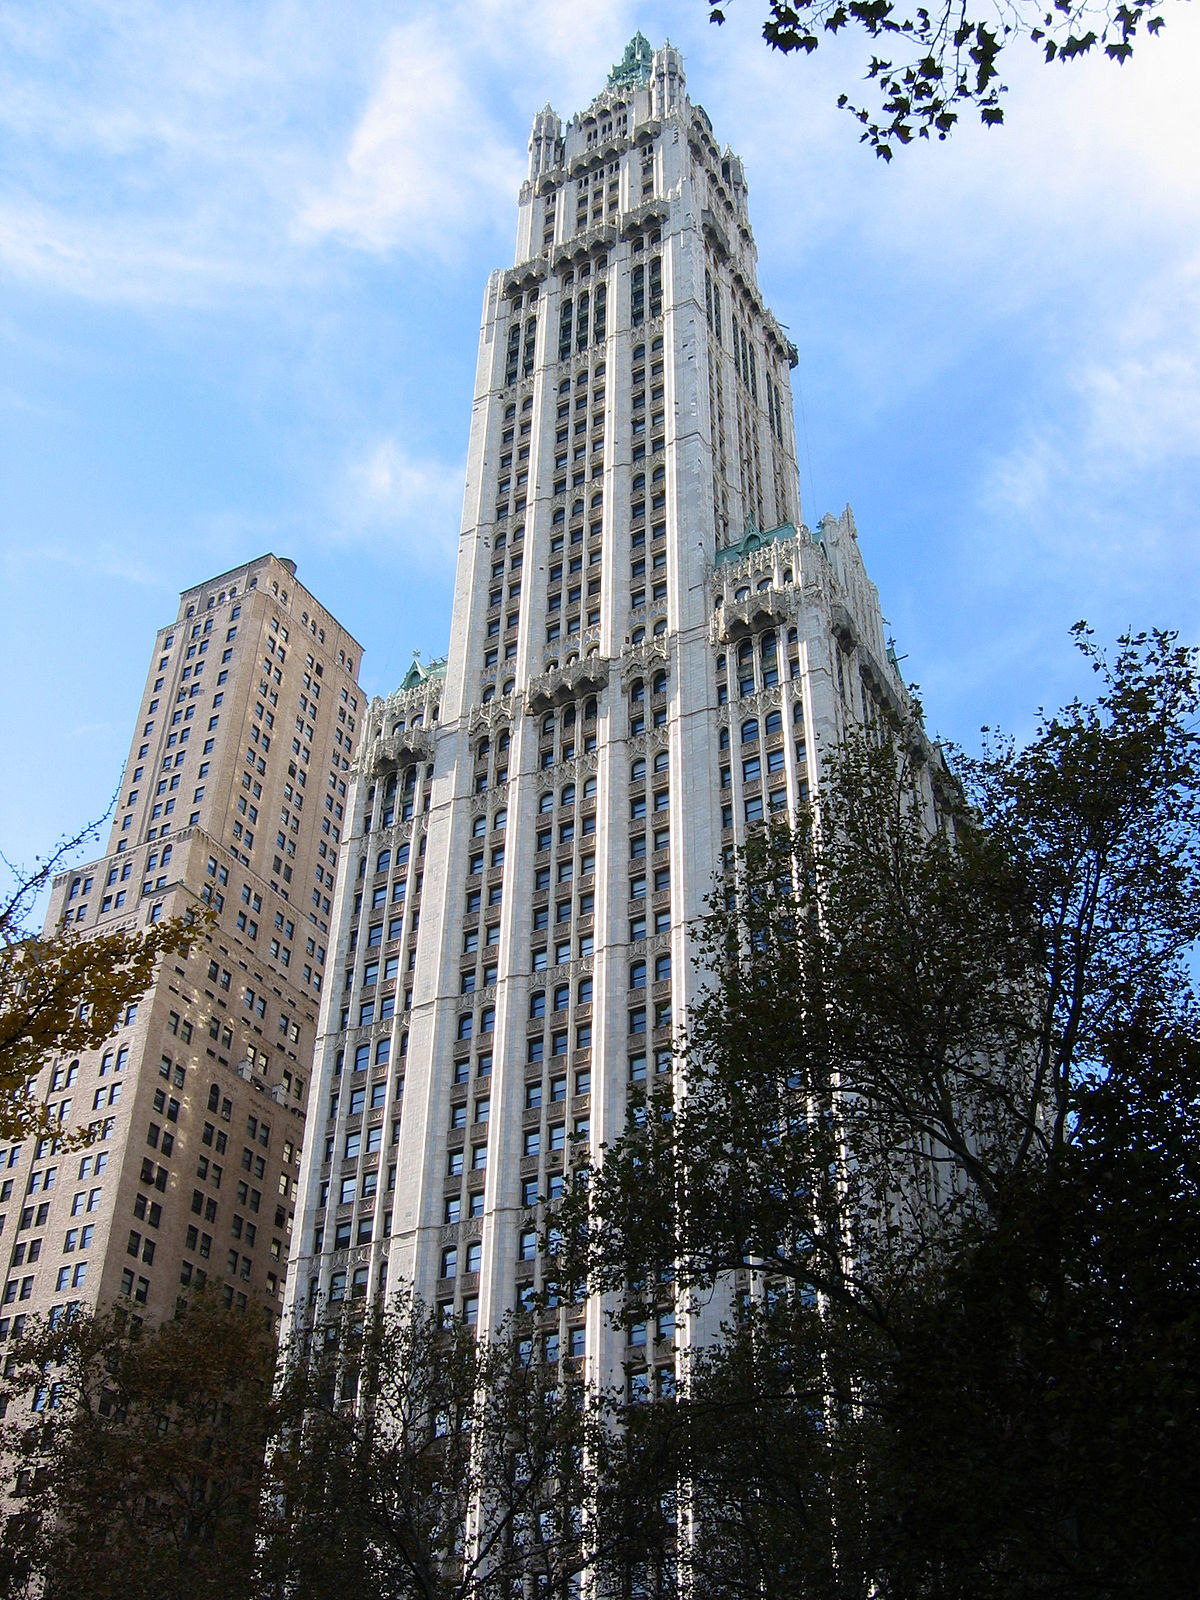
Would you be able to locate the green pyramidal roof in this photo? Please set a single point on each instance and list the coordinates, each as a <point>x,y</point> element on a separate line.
<point>421,671</point>
<point>633,69</point>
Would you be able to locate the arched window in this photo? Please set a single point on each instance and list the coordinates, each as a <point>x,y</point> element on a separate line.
<point>548,723</point>
<point>637,771</point>
<point>659,686</point>
<point>750,731</point>
<point>384,862</point>
<point>637,690</point>
<point>567,798</point>
<point>661,761</point>
<point>637,975</point>
<point>537,1003</point>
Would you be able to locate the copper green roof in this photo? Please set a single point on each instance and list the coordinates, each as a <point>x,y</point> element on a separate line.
<point>421,671</point>
<point>633,69</point>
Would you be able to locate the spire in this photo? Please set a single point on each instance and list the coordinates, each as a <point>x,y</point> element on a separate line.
<point>633,69</point>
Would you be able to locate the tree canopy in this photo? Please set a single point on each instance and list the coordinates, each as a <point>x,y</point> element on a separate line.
<point>133,1456</point>
<point>929,63</point>
<point>64,991</point>
<point>932,1139</point>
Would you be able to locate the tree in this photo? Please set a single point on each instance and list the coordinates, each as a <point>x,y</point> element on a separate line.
<point>1031,1426</point>
<point>133,1456</point>
<point>950,52</point>
<point>64,992</point>
<point>423,1462</point>
<point>936,1139</point>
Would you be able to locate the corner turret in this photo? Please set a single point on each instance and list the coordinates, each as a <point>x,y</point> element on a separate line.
<point>545,142</point>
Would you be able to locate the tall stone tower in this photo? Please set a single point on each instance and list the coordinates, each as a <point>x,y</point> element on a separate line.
<point>648,652</point>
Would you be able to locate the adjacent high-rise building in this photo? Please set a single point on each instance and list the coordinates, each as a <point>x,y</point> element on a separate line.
<point>233,797</point>
<point>648,652</point>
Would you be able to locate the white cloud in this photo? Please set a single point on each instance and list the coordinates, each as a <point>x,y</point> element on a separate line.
<point>426,162</point>
<point>413,504</point>
<point>435,156</point>
<point>143,260</point>
<point>1127,406</point>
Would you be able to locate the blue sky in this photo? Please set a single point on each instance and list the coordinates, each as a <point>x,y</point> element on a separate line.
<point>242,257</point>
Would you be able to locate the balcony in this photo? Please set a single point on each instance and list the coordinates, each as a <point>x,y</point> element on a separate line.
<point>563,684</point>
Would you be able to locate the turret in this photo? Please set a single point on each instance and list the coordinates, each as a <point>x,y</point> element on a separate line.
<point>668,79</point>
<point>544,142</point>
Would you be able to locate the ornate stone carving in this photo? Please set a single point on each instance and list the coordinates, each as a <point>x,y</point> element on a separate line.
<point>402,749</point>
<point>561,685</point>
<point>737,619</point>
<point>639,659</point>
<point>492,717</point>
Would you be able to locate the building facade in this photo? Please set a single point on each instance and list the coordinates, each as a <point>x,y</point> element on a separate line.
<point>648,652</point>
<point>234,798</point>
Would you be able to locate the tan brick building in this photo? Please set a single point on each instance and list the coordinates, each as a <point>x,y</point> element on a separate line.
<point>233,795</point>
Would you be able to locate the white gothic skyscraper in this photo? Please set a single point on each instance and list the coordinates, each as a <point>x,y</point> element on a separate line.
<point>648,652</point>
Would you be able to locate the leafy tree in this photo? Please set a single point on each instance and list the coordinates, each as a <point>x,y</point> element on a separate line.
<point>936,1138</point>
<point>1035,1430</point>
<point>133,1456</point>
<point>939,59</point>
<point>422,1462</point>
<point>63,992</point>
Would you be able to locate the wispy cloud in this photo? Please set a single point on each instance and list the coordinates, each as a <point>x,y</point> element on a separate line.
<point>413,505</point>
<point>1127,407</point>
<point>426,163</point>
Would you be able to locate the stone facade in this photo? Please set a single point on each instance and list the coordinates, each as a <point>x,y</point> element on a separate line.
<point>648,652</point>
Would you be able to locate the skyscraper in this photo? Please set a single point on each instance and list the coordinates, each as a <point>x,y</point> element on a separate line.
<point>648,651</point>
<point>233,797</point>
